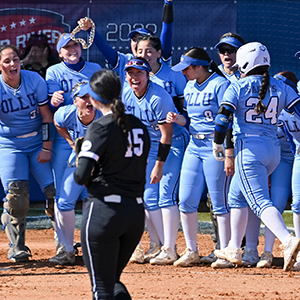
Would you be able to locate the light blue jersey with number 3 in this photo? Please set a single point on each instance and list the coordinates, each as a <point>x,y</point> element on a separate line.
<point>19,113</point>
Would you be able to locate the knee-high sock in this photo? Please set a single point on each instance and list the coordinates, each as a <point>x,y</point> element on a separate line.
<point>224,229</point>
<point>238,223</point>
<point>170,216</point>
<point>154,224</point>
<point>274,221</point>
<point>296,220</point>
<point>252,229</point>
<point>190,229</point>
<point>66,220</point>
<point>58,224</point>
<point>269,240</point>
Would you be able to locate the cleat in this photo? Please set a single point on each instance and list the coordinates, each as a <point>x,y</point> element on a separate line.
<point>187,259</point>
<point>167,256</point>
<point>222,264</point>
<point>296,266</point>
<point>138,256</point>
<point>234,255</point>
<point>76,246</point>
<point>153,251</point>
<point>208,259</point>
<point>290,253</point>
<point>63,258</point>
<point>250,257</point>
<point>60,248</point>
<point>19,255</point>
<point>265,260</point>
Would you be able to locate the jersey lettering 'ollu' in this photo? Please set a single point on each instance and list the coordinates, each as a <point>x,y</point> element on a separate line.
<point>243,96</point>
<point>61,78</point>
<point>291,123</point>
<point>19,112</point>
<point>202,101</point>
<point>151,109</point>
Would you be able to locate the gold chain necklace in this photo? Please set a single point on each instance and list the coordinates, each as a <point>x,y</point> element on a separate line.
<point>82,41</point>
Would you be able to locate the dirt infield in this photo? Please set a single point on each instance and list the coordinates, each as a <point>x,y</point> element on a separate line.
<point>39,279</point>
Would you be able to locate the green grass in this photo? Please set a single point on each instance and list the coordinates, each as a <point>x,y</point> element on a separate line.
<point>287,217</point>
<point>204,217</point>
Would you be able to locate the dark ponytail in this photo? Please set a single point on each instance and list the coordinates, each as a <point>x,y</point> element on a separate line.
<point>263,70</point>
<point>118,109</point>
<point>107,85</point>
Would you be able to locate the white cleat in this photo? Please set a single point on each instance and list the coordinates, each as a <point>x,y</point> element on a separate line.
<point>222,264</point>
<point>138,256</point>
<point>234,255</point>
<point>167,256</point>
<point>187,259</point>
<point>290,253</point>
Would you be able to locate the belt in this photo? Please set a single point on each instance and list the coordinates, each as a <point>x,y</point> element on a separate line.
<point>34,133</point>
<point>250,134</point>
<point>118,199</point>
<point>201,136</point>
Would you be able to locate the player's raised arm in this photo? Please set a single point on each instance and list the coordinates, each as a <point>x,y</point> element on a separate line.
<point>167,30</point>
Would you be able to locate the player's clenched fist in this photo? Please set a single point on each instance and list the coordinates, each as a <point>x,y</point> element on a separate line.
<point>84,24</point>
<point>57,98</point>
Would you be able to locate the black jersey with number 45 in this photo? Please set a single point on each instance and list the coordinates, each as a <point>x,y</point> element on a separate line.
<point>117,162</point>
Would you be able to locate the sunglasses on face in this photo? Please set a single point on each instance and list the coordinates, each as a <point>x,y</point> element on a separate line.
<point>136,63</point>
<point>223,50</point>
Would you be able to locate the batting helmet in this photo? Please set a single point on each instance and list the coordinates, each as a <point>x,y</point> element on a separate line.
<point>250,56</point>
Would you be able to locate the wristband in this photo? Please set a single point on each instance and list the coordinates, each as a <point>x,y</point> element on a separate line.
<point>46,150</point>
<point>229,155</point>
<point>48,132</point>
<point>163,151</point>
<point>229,140</point>
<point>168,2</point>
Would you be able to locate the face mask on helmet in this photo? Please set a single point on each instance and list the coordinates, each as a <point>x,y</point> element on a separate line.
<point>250,56</point>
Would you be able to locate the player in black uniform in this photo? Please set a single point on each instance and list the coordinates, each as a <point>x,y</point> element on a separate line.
<point>112,164</point>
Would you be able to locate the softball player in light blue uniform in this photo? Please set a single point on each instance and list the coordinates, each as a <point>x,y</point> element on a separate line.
<point>227,47</point>
<point>149,48</point>
<point>117,60</point>
<point>151,103</point>
<point>280,185</point>
<point>173,82</point>
<point>202,97</point>
<point>61,78</point>
<point>23,145</point>
<point>72,122</point>
<point>294,129</point>
<point>255,101</point>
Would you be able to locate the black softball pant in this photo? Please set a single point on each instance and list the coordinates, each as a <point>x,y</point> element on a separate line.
<point>110,233</point>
